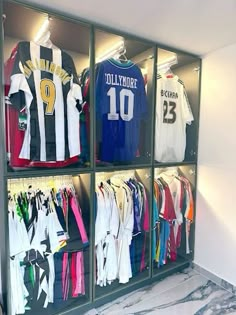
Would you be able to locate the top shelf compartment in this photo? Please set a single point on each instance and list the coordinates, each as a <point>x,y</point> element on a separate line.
<point>110,121</point>
<point>47,124</point>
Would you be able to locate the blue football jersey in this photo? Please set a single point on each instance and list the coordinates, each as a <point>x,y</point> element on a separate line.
<point>121,103</point>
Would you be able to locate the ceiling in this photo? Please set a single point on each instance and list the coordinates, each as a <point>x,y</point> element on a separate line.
<point>22,23</point>
<point>197,26</point>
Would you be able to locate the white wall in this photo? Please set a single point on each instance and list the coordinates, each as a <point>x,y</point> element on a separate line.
<point>215,244</point>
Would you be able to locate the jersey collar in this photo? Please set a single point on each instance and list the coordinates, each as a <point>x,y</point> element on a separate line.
<point>118,63</point>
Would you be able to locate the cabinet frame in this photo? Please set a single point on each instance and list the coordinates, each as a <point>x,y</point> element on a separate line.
<point>92,169</point>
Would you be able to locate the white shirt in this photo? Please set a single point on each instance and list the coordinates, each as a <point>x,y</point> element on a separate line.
<point>173,112</point>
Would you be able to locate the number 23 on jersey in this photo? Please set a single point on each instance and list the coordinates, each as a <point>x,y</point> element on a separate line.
<point>169,112</point>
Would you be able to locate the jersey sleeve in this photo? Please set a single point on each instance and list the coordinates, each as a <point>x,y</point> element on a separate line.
<point>143,109</point>
<point>187,112</point>
<point>69,65</point>
<point>74,96</point>
<point>8,68</point>
<point>74,107</point>
<point>74,102</point>
<point>19,93</point>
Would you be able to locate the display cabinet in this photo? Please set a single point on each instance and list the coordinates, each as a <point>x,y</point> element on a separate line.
<point>98,161</point>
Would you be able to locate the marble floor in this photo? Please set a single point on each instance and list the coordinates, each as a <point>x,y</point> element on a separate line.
<point>184,293</point>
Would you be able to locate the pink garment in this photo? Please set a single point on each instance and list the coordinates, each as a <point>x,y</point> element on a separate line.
<point>77,274</point>
<point>73,274</point>
<point>65,276</point>
<point>77,213</point>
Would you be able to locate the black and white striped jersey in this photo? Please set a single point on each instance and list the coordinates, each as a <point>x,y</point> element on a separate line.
<point>44,82</point>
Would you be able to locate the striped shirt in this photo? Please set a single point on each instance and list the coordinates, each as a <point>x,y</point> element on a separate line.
<point>44,82</point>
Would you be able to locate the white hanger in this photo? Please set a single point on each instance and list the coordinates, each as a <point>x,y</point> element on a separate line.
<point>44,39</point>
<point>165,66</point>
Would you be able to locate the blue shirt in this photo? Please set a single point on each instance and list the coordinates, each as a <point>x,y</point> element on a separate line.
<point>121,103</point>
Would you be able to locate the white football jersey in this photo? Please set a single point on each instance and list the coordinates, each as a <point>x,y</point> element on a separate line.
<point>173,112</point>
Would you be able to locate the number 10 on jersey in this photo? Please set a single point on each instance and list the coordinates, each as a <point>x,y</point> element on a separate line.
<point>123,94</point>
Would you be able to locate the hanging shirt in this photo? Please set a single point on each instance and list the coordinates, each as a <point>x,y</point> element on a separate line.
<point>188,211</point>
<point>125,205</point>
<point>13,119</point>
<point>44,83</point>
<point>120,105</point>
<point>78,238</point>
<point>18,237</point>
<point>106,231</point>
<point>173,112</point>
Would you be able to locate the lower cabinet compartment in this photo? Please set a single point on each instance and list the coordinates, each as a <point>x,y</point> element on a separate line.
<point>49,238</point>
<point>79,241</point>
<point>122,229</point>
<point>173,217</point>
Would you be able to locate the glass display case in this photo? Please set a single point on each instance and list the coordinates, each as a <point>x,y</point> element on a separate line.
<point>173,216</point>
<point>47,116</point>
<point>98,161</point>
<point>123,100</point>
<point>49,243</point>
<point>122,229</point>
<point>177,107</point>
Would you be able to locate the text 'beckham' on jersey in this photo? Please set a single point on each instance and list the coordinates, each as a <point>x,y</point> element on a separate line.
<point>121,104</point>
<point>44,83</point>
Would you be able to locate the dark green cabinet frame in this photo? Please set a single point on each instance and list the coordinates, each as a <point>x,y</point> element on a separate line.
<point>92,169</point>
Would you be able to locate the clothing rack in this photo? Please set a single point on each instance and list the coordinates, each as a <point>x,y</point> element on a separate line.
<point>17,185</point>
<point>191,171</point>
<point>158,171</point>
<point>166,64</point>
<point>104,176</point>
